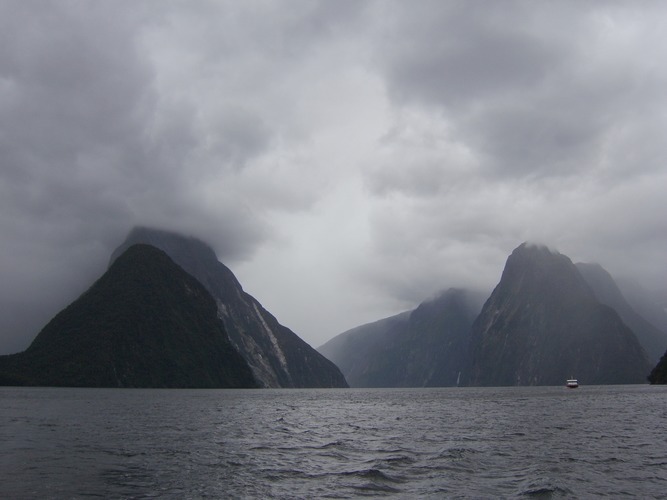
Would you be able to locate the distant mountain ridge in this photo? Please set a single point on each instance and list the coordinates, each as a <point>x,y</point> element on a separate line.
<point>652,339</point>
<point>425,347</point>
<point>144,323</point>
<point>543,323</point>
<point>276,355</point>
<point>351,349</point>
<point>649,305</point>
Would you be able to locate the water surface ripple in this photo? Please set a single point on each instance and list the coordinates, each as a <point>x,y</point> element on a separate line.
<point>547,442</point>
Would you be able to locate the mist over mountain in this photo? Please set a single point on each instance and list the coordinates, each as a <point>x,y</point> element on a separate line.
<point>144,323</point>
<point>651,305</point>
<point>276,355</point>
<point>652,339</point>
<point>426,347</point>
<point>167,313</point>
<point>543,324</point>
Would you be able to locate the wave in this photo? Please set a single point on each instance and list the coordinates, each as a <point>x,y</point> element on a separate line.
<point>547,492</point>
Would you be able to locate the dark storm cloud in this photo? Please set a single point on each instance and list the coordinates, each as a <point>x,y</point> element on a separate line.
<point>534,90</point>
<point>456,54</point>
<point>518,120</point>
<point>86,136</point>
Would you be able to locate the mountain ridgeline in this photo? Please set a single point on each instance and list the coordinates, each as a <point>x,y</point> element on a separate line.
<point>606,290</point>
<point>543,324</point>
<point>546,320</point>
<point>425,347</point>
<point>144,323</point>
<point>275,354</point>
<point>168,313</point>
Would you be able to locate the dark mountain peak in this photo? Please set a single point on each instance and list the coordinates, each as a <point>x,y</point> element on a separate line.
<point>540,274</point>
<point>533,255</point>
<point>543,323</point>
<point>191,253</point>
<point>168,241</point>
<point>535,248</point>
<point>277,356</point>
<point>144,323</point>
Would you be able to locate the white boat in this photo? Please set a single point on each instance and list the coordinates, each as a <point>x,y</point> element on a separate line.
<point>572,383</point>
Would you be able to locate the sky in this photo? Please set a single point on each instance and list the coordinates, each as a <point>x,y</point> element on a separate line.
<point>346,159</point>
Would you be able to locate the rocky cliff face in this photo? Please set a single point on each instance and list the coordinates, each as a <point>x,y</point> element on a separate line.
<point>426,347</point>
<point>543,324</point>
<point>651,338</point>
<point>276,355</point>
<point>144,323</point>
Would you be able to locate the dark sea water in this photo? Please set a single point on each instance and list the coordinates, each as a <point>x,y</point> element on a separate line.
<point>545,442</point>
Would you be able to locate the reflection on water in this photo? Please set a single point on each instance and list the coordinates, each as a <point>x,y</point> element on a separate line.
<point>337,443</point>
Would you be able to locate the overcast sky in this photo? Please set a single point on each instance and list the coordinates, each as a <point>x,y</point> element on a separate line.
<point>346,159</point>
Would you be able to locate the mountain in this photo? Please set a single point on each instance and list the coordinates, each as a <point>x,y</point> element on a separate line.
<point>355,350</point>
<point>652,339</point>
<point>543,324</point>
<point>659,373</point>
<point>144,323</point>
<point>651,305</point>
<point>425,347</point>
<point>276,355</point>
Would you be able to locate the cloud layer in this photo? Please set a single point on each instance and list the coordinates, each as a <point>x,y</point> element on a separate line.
<point>346,159</point>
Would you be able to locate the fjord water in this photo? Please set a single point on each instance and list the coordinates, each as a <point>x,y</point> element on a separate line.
<point>543,442</point>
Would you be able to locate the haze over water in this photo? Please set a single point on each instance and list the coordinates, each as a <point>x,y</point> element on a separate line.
<point>545,442</point>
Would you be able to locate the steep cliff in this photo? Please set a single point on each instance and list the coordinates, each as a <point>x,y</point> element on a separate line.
<point>144,323</point>
<point>276,355</point>
<point>543,324</point>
